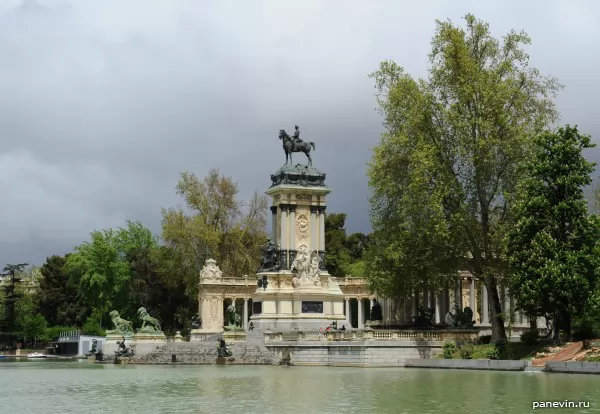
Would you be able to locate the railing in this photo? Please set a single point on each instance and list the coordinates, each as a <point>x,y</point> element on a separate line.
<point>372,335</point>
<point>354,281</point>
<point>237,281</point>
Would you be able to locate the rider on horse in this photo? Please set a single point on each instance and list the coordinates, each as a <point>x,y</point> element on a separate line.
<point>296,136</point>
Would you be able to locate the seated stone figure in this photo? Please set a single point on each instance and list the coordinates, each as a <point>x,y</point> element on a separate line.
<point>196,322</point>
<point>94,348</point>
<point>223,350</point>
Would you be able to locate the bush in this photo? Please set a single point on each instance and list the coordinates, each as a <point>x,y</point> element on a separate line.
<point>466,352</point>
<point>501,350</point>
<point>585,329</point>
<point>530,337</point>
<point>92,326</point>
<point>449,349</point>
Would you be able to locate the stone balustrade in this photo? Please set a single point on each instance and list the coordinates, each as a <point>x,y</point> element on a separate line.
<point>233,281</point>
<point>467,336</point>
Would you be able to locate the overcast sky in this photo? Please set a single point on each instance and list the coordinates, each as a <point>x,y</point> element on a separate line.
<point>104,102</point>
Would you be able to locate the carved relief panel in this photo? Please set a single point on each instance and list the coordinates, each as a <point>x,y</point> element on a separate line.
<point>302,226</point>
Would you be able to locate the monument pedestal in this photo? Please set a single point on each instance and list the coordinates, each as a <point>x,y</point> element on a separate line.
<point>234,336</point>
<point>146,342</point>
<point>288,304</point>
<point>202,334</point>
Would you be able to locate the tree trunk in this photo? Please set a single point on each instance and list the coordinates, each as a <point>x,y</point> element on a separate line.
<point>555,325</point>
<point>498,332</point>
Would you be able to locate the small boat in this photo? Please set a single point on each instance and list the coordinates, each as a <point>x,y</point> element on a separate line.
<point>36,355</point>
<point>2,356</point>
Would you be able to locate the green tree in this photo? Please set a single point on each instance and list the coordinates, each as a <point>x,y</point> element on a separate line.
<point>553,248</point>
<point>30,324</point>
<point>445,168</point>
<point>103,270</point>
<point>219,226</point>
<point>338,256</point>
<point>57,298</point>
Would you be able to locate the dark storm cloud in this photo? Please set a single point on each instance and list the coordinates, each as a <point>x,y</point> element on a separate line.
<point>103,103</point>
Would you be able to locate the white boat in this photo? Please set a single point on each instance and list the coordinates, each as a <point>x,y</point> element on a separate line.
<point>36,355</point>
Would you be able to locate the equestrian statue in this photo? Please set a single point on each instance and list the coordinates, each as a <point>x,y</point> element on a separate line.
<point>295,144</point>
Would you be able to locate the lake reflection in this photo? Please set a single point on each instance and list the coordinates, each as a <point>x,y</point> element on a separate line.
<point>80,387</point>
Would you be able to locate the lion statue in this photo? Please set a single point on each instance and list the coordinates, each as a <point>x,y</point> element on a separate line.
<point>148,322</point>
<point>121,325</point>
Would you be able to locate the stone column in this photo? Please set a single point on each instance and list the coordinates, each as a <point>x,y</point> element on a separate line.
<point>447,305</point>
<point>314,228</point>
<point>458,293</point>
<point>347,308</point>
<point>361,323</point>
<point>485,318</point>
<point>284,236</point>
<point>245,324</point>
<point>472,302</point>
<point>292,220</point>
<point>438,309</point>
<point>274,235</point>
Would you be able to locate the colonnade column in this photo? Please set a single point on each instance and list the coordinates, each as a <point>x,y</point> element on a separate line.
<point>485,318</point>
<point>314,226</point>
<point>274,235</point>
<point>438,309</point>
<point>472,303</point>
<point>245,324</point>
<point>284,235</point>
<point>361,323</point>
<point>292,241</point>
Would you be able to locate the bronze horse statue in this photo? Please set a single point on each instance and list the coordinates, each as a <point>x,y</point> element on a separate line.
<point>289,146</point>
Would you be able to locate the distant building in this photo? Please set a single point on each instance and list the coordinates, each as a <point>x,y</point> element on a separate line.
<point>73,343</point>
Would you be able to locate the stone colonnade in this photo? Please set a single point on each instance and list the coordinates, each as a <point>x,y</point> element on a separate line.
<point>468,291</point>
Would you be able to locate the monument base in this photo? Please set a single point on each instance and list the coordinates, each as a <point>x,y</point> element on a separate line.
<point>146,342</point>
<point>234,336</point>
<point>288,304</point>
<point>201,334</point>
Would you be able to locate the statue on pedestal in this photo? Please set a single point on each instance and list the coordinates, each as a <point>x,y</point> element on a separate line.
<point>234,320</point>
<point>270,257</point>
<point>295,144</point>
<point>121,325</point>
<point>149,324</point>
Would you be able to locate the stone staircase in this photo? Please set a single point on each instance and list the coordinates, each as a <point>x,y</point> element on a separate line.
<point>251,352</point>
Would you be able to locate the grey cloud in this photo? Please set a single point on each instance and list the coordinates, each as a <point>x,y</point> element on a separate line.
<point>103,103</point>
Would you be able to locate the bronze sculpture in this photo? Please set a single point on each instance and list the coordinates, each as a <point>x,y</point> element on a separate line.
<point>295,144</point>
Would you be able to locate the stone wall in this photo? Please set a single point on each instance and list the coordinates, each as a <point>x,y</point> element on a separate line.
<point>351,353</point>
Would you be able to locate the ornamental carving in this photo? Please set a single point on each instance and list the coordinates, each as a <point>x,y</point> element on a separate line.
<point>214,303</point>
<point>302,224</point>
<point>304,197</point>
<point>211,270</point>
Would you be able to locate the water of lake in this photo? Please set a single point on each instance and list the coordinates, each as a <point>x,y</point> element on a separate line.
<point>82,387</point>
